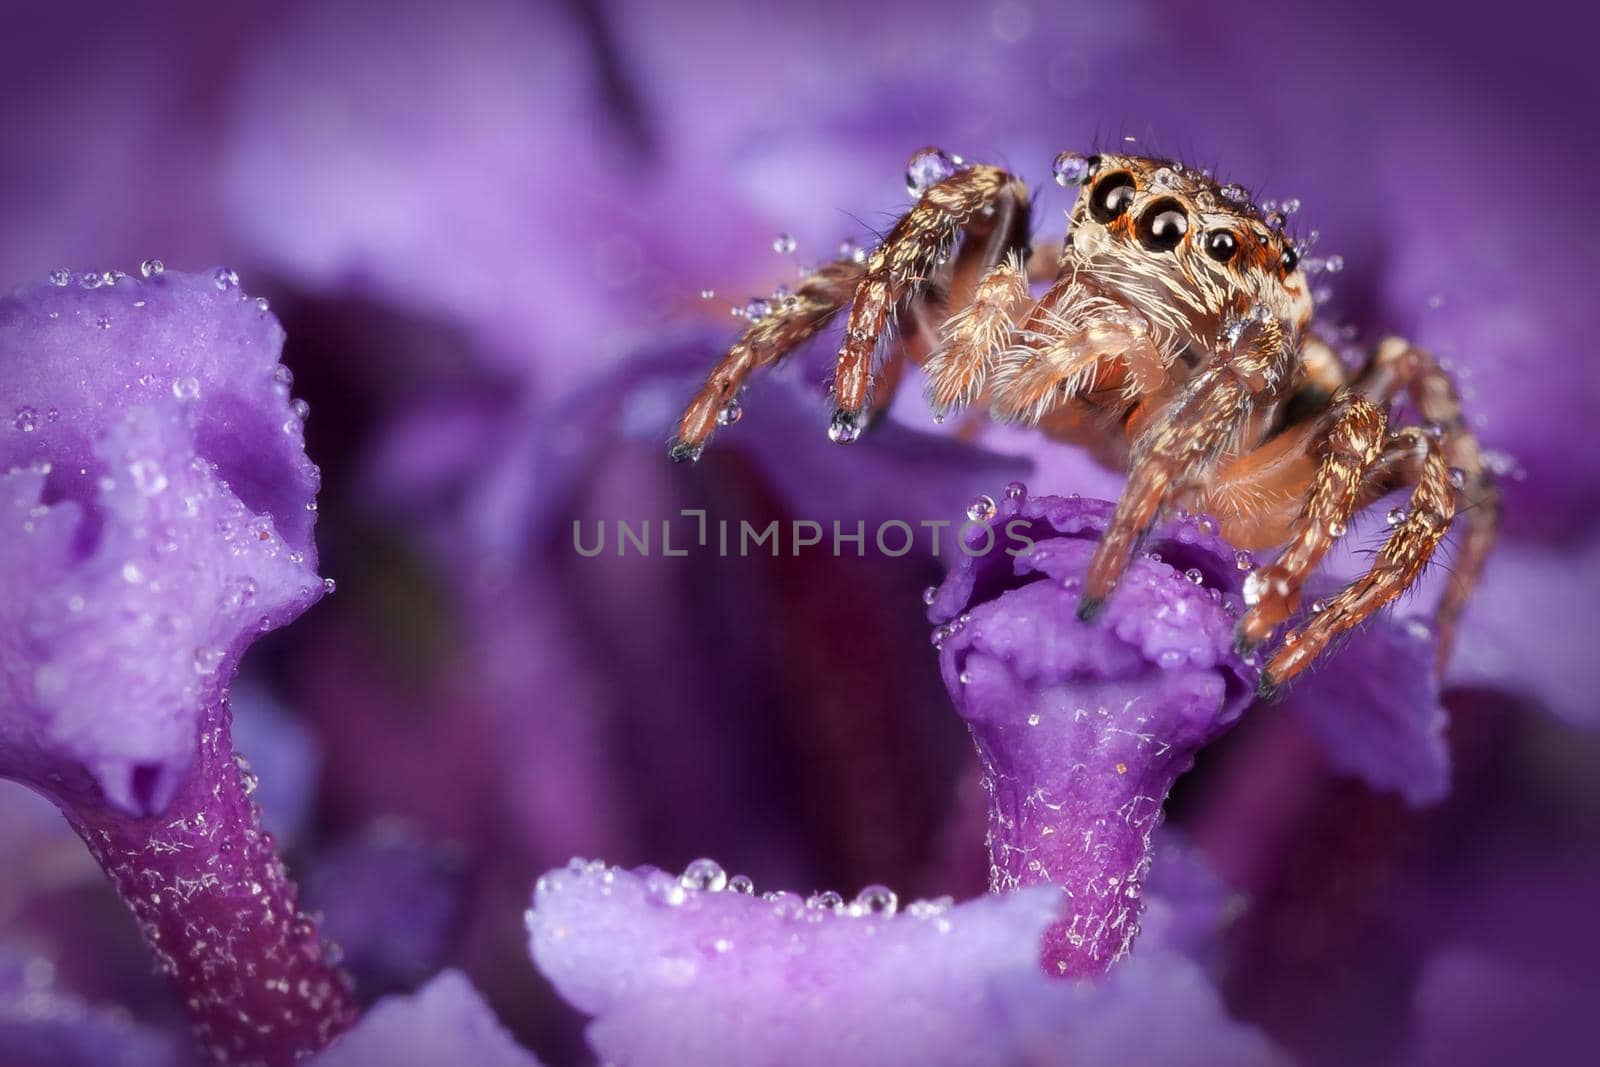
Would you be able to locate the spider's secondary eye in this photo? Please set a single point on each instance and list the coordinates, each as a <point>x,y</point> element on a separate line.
<point>1163,226</point>
<point>1221,245</point>
<point>1291,259</point>
<point>1112,196</point>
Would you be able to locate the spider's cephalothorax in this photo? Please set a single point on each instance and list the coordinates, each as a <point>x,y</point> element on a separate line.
<point>1172,339</point>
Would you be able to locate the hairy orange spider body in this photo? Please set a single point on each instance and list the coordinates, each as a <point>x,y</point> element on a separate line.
<point>1174,342</point>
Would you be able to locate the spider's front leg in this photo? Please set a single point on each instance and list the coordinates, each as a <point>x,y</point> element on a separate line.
<point>985,203</point>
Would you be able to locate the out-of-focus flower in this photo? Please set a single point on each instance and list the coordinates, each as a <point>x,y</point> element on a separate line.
<point>41,1026</point>
<point>696,968</point>
<point>156,519</point>
<point>444,1022</point>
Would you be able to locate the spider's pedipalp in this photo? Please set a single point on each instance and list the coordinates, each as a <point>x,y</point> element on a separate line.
<point>973,338</point>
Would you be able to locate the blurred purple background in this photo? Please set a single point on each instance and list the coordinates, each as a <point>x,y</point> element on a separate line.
<point>486,228</point>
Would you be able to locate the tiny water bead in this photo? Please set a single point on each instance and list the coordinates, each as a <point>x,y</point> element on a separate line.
<point>705,875</point>
<point>730,413</point>
<point>26,420</point>
<point>928,168</point>
<point>186,388</point>
<point>1396,516</point>
<point>784,244</point>
<point>755,309</point>
<point>981,509</point>
<point>854,253</point>
<point>1071,168</point>
<point>876,900</point>
<point>225,279</point>
<point>151,267</point>
<point>1016,491</point>
<point>844,428</point>
<point>60,276</point>
<point>708,294</point>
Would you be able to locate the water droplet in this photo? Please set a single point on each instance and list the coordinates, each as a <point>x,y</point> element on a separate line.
<point>1167,659</point>
<point>1333,264</point>
<point>1033,719</point>
<point>1336,528</point>
<point>708,294</point>
<point>826,900</point>
<point>187,388</point>
<point>301,408</point>
<point>261,303</point>
<point>704,874</point>
<point>982,509</point>
<point>60,276</point>
<point>1396,516</point>
<point>225,278</point>
<point>928,168</point>
<point>1071,168</point>
<point>1016,491</point>
<point>741,883</point>
<point>1194,575</point>
<point>147,476</point>
<point>1234,193</point>
<point>90,280</point>
<point>730,413</point>
<point>877,900</point>
<point>755,309</point>
<point>1458,478</point>
<point>1290,206</point>
<point>849,250</point>
<point>1243,560</point>
<point>929,594</point>
<point>783,244</point>
<point>844,429</point>
<point>27,419</point>
<point>151,267</point>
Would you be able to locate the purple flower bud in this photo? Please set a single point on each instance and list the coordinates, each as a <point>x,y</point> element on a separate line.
<point>1083,727</point>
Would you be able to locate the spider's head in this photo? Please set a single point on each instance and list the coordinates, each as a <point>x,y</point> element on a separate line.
<point>1171,241</point>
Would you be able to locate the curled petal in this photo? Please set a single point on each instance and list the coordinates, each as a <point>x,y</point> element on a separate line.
<point>1084,727</point>
<point>688,970</point>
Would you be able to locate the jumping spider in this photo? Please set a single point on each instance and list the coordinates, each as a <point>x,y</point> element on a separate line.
<point>1174,343</point>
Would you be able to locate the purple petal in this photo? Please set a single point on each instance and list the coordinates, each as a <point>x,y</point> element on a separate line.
<point>41,1026</point>
<point>1473,1010</point>
<point>1083,728</point>
<point>155,519</point>
<point>679,974</point>
<point>444,1022</point>
<point>1373,707</point>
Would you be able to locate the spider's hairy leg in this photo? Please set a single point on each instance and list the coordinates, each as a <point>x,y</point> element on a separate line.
<point>1183,442</point>
<point>974,336</point>
<point>1399,365</point>
<point>1356,430</point>
<point>792,322</point>
<point>902,266</point>
<point>1408,548</point>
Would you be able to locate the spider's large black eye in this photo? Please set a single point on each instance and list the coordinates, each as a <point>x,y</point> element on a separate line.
<point>1112,196</point>
<point>1163,226</point>
<point>1221,245</point>
<point>1291,259</point>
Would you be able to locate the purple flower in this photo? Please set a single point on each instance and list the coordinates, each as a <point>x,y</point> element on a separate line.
<point>1083,728</point>
<point>444,1022</point>
<point>157,518</point>
<point>696,968</point>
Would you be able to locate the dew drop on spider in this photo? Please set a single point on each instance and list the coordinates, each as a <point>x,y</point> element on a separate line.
<point>1396,516</point>
<point>783,244</point>
<point>1336,529</point>
<point>845,429</point>
<point>730,413</point>
<point>756,309</point>
<point>1458,478</point>
<point>1234,194</point>
<point>981,509</point>
<point>1333,264</point>
<point>928,168</point>
<point>1071,168</point>
<point>704,874</point>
